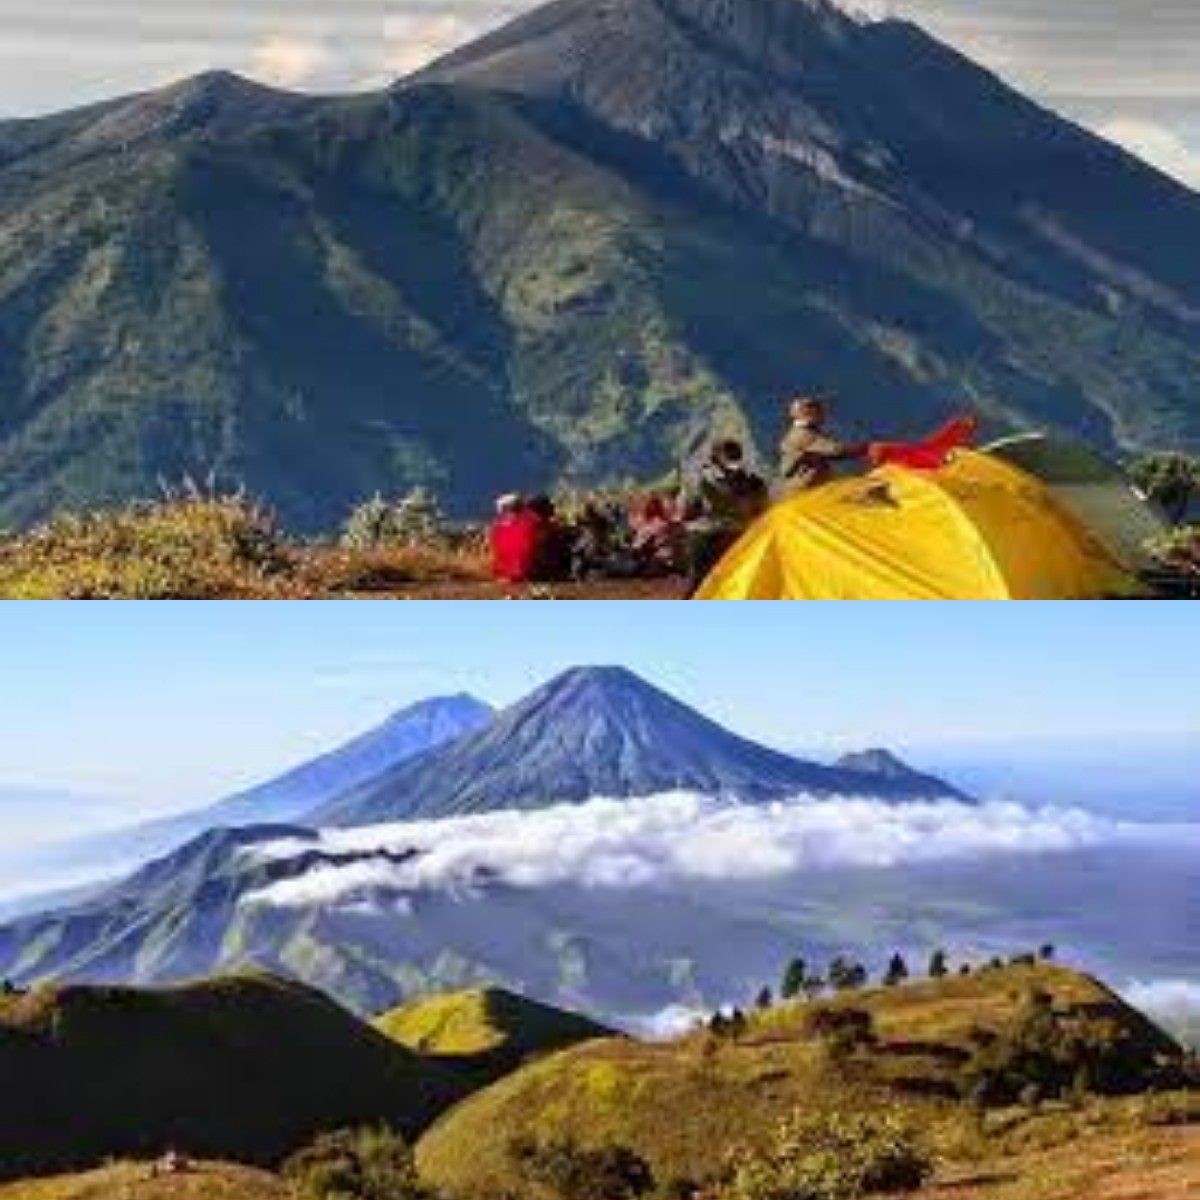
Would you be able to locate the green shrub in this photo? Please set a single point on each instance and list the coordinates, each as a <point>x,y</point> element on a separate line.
<point>564,1170</point>
<point>832,1156</point>
<point>1171,480</point>
<point>356,1164</point>
<point>414,520</point>
<point>1048,1055</point>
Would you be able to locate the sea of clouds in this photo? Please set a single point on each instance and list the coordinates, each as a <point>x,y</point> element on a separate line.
<point>685,838</point>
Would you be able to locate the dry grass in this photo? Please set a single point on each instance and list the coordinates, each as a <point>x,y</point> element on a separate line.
<point>136,1181</point>
<point>686,1106</point>
<point>193,546</point>
<point>1142,1164</point>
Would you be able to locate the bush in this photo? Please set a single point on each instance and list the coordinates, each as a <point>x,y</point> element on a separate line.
<point>565,1170</point>
<point>832,1156</point>
<point>1171,481</point>
<point>361,1164</point>
<point>414,520</point>
<point>187,546</point>
<point>1048,1055</point>
<point>843,1031</point>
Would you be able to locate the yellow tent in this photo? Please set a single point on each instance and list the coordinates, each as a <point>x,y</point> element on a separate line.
<point>978,529</point>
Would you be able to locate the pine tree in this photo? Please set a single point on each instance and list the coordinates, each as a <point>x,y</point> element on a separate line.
<point>939,966</point>
<point>897,971</point>
<point>845,975</point>
<point>794,979</point>
<point>765,999</point>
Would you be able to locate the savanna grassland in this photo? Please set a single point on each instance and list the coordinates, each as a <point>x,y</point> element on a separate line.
<point>1020,1081</point>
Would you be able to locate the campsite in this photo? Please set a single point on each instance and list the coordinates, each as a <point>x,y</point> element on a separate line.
<point>525,284</point>
<point>1028,518</point>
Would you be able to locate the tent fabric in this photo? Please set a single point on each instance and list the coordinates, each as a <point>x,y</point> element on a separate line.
<point>930,454</point>
<point>1096,490</point>
<point>978,529</point>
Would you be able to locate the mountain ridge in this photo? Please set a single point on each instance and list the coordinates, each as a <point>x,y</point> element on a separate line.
<point>577,277</point>
<point>599,732</point>
<point>288,796</point>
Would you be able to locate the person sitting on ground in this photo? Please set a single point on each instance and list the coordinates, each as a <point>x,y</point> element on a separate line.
<point>593,539</point>
<point>552,562</point>
<point>718,506</point>
<point>514,538</point>
<point>810,455</point>
<point>658,537</point>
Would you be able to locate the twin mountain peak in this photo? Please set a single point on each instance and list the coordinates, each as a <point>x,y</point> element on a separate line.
<point>588,733</point>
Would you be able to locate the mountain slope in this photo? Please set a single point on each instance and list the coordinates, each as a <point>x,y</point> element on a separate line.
<point>884,765</point>
<point>567,254</point>
<point>244,1067</point>
<point>685,1106</point>
<point>597,732</point>
<point>485,1033</point>
<point>195,912</point>
<point>407,734</point>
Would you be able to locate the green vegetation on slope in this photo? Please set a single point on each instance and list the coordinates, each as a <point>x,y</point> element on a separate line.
<point>486,1032</point>
<point>471,291</point>
<point>243,1067</point>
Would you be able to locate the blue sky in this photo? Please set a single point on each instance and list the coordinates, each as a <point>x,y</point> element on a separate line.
<point>171,704</point>
<point>1129,68</point>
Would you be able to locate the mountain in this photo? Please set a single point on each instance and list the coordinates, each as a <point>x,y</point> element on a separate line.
<point>598,732</point>
<point>634,916</point>
<point>195,912</point>
<point>591,732</point>
<point>884,765</point>
<point>485,1033</point>
<point>407,734</point>
<point>567,254</point>
<point>244,1067</point>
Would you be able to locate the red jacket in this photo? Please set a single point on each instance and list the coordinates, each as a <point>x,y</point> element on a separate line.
<point>515,540</point>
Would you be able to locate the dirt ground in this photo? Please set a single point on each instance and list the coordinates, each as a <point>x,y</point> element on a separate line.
<point>614,590</point>
<point>1156,1164</point>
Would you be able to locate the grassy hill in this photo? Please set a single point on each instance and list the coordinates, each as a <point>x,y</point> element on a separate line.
<point>485,1033</point>
<point>686,1105</point>
<point>244,1067</point>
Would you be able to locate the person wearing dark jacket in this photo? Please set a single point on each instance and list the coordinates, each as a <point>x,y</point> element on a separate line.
<point>718,506</point>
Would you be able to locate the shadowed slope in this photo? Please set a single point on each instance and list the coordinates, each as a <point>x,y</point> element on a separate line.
<point>241,1067</point>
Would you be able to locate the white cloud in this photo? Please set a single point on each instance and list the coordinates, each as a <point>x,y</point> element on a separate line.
<point>411,40</point>
<point>685,838</point>
<point>288,62</point>
<point>1158,145</point>
<point>1173,1003</point>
